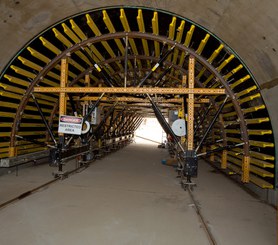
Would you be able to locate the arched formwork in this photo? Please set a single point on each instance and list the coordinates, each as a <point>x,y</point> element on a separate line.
<point>101,34</point>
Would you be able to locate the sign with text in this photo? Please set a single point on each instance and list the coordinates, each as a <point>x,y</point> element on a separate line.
<point>70,125</point>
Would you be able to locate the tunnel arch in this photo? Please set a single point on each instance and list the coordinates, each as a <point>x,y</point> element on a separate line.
<point>149,31</point>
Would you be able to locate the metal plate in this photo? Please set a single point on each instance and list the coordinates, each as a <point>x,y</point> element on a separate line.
<point>179,127</point>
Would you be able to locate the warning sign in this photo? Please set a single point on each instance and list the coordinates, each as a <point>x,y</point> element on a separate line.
<point>70,125</point>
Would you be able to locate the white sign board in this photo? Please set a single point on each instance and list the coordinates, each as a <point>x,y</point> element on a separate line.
<point>70,125</point>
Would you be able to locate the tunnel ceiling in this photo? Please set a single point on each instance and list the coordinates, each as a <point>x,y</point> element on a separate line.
<point>119,47</point>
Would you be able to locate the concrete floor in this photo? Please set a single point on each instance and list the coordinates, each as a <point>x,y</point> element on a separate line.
<point>129,197</point>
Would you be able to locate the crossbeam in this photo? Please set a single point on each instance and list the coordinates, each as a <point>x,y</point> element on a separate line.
<point>129,90</point>
<point>133,99</point>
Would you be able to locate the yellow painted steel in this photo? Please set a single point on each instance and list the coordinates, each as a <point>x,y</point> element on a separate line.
<point>249,98</point>
<point>76,65</point>
<point>70,33</point>
<point>50,46</point>
<point>202,44</point>
<point>189,36</point>
<point>77,30</point>
<point>10,95</point>
<point>29,63</point>
<point>17,81</point>
<point>219,68</point>
<point>211,59</point>
<point>224,159</point>
<point>259,132</point>
<point>105,44</point>
<point>111,29</point>
<point>23,72</point>
<point>240,81</point>
<point>246,91</point>
<point>63,83</point>
<point>12,88</point>
<point>257,120</point>
<point>130,40</point>
<point>230,114</point>
<point>12,151</point>
<point>129,90</point>
<point>261,144</point>
<point>190,104</point>
<point>141,26</point>
<point>253,109</point>
<point>260,182</point>
<point>261,156</point>
<point>232,72</point>
<point>254,161</point>
<point>187,41</point>
<point>62,38</point>
<point>38,55</point>
<point>156,32</point>
<point>172,28</point>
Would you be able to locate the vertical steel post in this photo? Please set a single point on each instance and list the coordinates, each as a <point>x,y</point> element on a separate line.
<point>190,104</point>
<point>62,106</point>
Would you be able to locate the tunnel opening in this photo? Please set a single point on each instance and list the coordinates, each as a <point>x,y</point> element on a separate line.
<point>119,47</point>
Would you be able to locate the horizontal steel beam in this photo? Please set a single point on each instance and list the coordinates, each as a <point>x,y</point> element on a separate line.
<point>129,90</point>
<point>133,99</point>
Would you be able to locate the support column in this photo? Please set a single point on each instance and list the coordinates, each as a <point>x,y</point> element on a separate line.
<point>245,169</point>
<point>190,104</point>
<point>62,105</point>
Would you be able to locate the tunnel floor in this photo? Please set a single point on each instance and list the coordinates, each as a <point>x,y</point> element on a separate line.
<point>129,197</point>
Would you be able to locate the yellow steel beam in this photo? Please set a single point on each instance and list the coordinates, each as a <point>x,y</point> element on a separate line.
<point>156,32</point>
<point>190,104</point>
<point>202,44</point>
<point>240,81</point>
<point>17,81</point>
<point>63,84</point>
<point>127,29</point>
<point>257,120</point>
<point>253,109</point>
<point>50,46</point>
<point>246,91</point>
<point>129,90</point>
<point>141,26</point>
<point>232,72</point>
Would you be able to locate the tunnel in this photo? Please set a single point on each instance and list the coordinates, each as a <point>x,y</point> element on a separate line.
<point>105,68</point>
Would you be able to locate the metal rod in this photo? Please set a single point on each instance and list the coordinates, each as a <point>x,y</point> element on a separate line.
<point>162,75</point>
<point>156,66</point>
<point>44,119</point>
<point>164,123</point>
<point>220,149</point>
<point>126,58</point>
<point>202,120</point>
<point>211,124</point>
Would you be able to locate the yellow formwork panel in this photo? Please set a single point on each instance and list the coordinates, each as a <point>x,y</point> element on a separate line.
<point>77,30</point>
<point>246,91</point>
<point>253,109</point>
<point>232,72</point>
<point>62,38</point>
<point>261,144</point>
<point>156,32</point>
<point>23,72</point>
<point>219,68</point>
<point>211,59</point>
<point>12,88</point>
<point>10,95</point>
<point>240,81</point>
<point>257,120</point>
<point>249,98</point>
<point>254,161</point>
<point>141,26</point>
<point>38,55</point>
<point>130,40</point>
<point>29,63</point>
<point>17,81</point>
<point>187,41</point>
<point>50,46</point>
<point>202,44</point>
<point>259,132</point>
<point>105,44</point>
